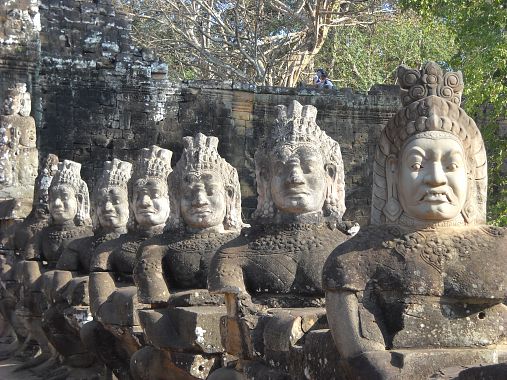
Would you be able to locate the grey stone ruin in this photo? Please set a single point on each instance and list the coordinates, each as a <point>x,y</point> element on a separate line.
<point>271,274</point>
<point>69,208</point>
<point>18,161</point>
<point>26,234</point>
<point>68,292</point>
<point>18,152</point>
<point>115,333</point>
<point>422,288</point>
<point>181,320</point>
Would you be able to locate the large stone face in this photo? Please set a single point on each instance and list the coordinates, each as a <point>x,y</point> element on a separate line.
<point>426,274</point>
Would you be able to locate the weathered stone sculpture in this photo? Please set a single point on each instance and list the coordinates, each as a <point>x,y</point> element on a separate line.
<point>68,204</point>
<point>18,152</point>
<point>68,292</point>
<point>271,275</point>
<point>115,333</point>
<point>422,288</point>
<point>183,327</point>
<point>25,238</point>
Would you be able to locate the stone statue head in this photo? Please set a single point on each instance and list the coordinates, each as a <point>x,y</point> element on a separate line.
<point>68,198</point>
<point>149,198</point>
<point>13,102</point>
<point>205,190</point>
<point>110,205</point>
<point>430,163</point>
<point>299,169</point>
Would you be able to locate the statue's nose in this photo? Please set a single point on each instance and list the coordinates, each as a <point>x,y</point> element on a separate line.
<point>200,199</point>
<point>435,175</point>
<point>296,176</point>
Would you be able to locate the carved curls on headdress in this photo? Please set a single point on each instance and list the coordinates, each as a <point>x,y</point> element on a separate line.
<point>68,173</point>
<point>296,125</point>
<point>200,154</point>
<point>431,101</point>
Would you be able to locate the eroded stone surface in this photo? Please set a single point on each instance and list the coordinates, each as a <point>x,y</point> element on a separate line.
<point>115,334</point>
<point>19,156</point>
<point>173,269</point>
<point>427,275</point>
<point>271,274</point>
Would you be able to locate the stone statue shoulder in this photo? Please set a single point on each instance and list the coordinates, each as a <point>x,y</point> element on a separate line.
<point>56,239</point>
<point>455,262</point>
<point>101,260</point>
<point>352,264</point>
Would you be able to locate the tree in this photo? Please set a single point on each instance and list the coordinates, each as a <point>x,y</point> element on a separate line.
<point>256,41</point>
<point>361,55</point>
<point>480,30</point>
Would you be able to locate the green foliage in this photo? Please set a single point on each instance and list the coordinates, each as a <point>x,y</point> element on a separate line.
<point>480,30</point>
<point>362,55</point>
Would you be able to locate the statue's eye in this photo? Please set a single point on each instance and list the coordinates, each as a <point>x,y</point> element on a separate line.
<point>416,167</point>
<point>452,167</point>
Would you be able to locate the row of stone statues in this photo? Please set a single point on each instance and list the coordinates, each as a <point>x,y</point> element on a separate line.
<point>159,278</point>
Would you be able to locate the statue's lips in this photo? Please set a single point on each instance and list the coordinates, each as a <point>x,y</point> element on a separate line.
<point>146,212</point>
<point>200,212</point>
<point>436,197</point>
<point>109,215</point>
<point>297,190</point>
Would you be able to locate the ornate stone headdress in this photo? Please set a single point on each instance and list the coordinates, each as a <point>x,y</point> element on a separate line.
<point>200,154</point>
<point>431,101</point>
<point>295,126</point>
<point>115,173</point>
<point>68,173</point>
<point>42,182</point>
<point>153,162</point>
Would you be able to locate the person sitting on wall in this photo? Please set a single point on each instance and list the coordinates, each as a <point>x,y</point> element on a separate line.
<point>324,81</point>
<point>316,77</point>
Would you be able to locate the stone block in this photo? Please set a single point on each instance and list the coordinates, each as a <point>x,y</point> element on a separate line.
<point>184,328</point>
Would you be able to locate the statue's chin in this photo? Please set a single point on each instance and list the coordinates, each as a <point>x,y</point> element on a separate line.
<point>434,212</point>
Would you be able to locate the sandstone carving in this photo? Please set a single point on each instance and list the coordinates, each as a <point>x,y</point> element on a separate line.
<point>183,327</point>
<point>26,236</point>
<point>68,204</point>
<point>271,274</point>
<point>18,152</point>
<point>422,288</point>
<point>115,333</point>
<point>68,292</point>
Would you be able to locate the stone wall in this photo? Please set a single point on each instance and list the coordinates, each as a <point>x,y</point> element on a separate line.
<point>103,97</point>
<point>19,43</point>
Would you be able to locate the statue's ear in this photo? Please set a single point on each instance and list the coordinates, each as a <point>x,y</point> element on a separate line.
<point>230,193</point>
<point>331,172</point>
<point>392,209</point>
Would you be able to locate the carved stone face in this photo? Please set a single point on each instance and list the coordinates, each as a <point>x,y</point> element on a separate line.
<point>203,200</point>
<point>112,207</point>
<point>62,203</point>
<point>299,180</point>
<point>150,202</point>
<point>432,178</point>
<point>12,105</point>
